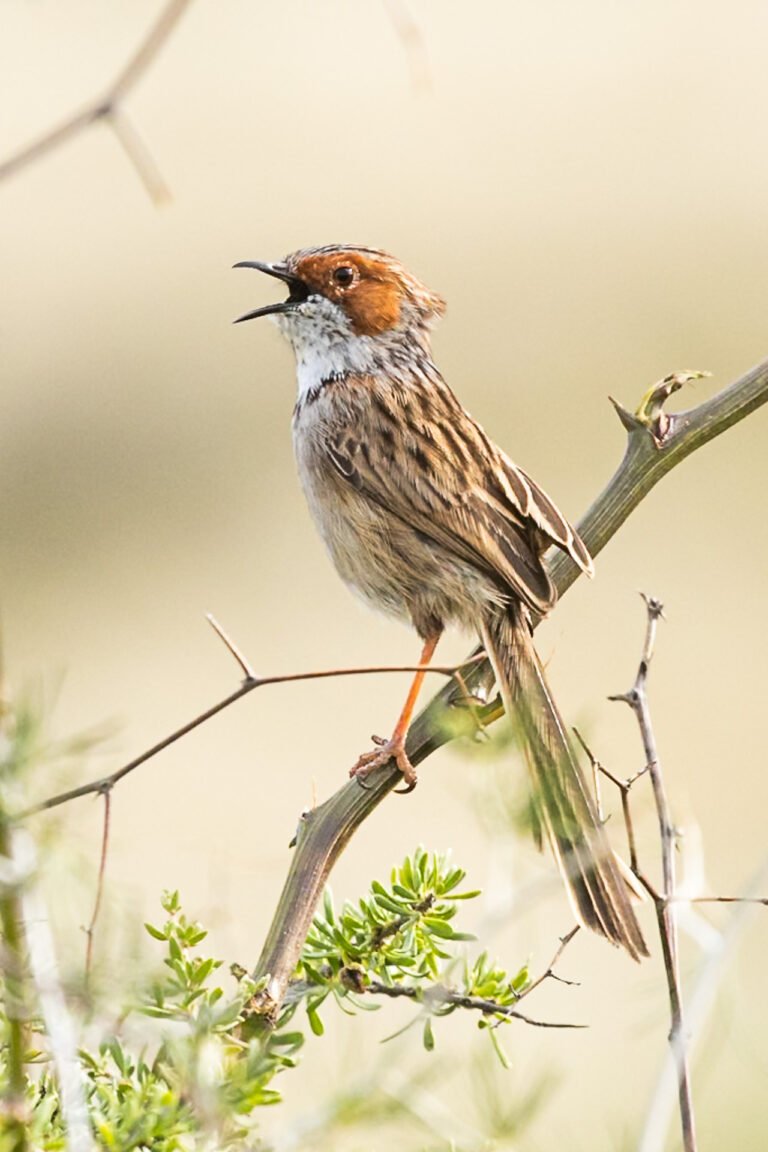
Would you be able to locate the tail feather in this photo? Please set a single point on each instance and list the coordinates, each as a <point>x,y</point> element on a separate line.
<point>563,806</point>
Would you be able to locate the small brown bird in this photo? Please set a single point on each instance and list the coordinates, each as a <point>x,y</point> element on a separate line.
<point>434,524</point>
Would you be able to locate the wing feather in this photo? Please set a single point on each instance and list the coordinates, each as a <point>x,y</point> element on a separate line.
<point>443,477</point>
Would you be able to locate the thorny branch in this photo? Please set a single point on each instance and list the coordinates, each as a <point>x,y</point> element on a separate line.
<point>109,109</point>
<point>664,902</point>
<point>251,682</point>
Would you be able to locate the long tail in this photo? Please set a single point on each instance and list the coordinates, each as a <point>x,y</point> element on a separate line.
<point>563,805</point>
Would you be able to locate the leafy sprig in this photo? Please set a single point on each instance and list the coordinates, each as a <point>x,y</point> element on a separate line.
<point>196,1078</point>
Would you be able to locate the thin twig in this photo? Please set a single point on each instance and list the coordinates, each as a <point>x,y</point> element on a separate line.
<point>549,973</point>
<point>100,883</point>
<point>666,915</point>
<point>250,684</point>
<point>107,108</point>
<point>720,900</point>
<point>139,156</point>
<point>624,787</point>
<point>440,996</point>
<point>232,648</point>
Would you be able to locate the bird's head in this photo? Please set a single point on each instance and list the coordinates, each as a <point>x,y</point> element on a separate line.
<point>345,302</point>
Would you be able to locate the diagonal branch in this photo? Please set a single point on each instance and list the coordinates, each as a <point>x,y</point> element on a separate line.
<point>656,443</point>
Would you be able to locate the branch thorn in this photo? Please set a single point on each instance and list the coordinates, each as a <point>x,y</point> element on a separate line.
<point>249,675</point>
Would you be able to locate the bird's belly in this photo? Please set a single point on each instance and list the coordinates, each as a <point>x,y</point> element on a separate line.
<point>392,565</point>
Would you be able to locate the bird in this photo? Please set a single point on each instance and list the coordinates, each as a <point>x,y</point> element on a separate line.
<point>431,522</point>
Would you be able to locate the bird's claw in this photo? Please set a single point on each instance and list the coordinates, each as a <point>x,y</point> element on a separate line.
<point>387,750</point>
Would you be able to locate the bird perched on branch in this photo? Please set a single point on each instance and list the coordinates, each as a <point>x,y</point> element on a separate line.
<point>426,517</point>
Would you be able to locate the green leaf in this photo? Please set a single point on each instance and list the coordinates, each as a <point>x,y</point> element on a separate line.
<point>170,901</point>
<point>391,905</point>
<point>202,971</point>
<point>292,1040</point>
<point>428,1035</point>
<point>156,933</point>
<point>315,1022</point>
<point>440,928</point>
<point>503,1058</point>
<point>454,877</point>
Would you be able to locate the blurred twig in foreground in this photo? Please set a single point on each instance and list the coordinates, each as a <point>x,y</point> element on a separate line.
<point>109,109</point>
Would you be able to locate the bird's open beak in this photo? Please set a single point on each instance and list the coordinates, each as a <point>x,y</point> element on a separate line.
<point>296,295</point>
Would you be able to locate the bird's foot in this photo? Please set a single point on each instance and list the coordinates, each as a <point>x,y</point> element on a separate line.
<point>386,751</point>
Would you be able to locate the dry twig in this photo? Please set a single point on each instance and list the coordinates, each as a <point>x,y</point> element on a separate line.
<point>106,783</point>
<point>107,794</point>
<point>664,902</point>
<point>439,996</point>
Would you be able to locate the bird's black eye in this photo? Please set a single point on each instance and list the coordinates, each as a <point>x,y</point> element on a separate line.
<point>344,275</point>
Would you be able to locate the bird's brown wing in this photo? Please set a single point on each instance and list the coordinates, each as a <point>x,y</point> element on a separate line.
<point>416,452</point>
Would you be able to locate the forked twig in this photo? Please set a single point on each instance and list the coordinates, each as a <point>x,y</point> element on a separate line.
<point>664,902</point>
<point>104,784</point>
<point>108,108</point>
<point>549,972</point>
<point>624,787</point>
<point>439,996</point>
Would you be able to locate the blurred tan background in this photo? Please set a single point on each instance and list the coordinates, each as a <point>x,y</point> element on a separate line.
<point>587,186</point>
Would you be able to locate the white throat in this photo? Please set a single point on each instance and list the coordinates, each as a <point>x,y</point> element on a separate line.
<point>324,345</point>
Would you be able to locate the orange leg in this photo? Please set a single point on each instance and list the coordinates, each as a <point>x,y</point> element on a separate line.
<point>394,748</point>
